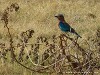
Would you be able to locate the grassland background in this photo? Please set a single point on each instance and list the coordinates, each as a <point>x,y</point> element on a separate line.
<point>39,15</point>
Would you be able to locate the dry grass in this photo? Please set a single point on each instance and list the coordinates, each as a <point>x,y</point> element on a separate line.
<point>39,16</point>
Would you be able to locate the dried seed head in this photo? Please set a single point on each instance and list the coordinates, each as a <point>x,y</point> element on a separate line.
<point>15,6</point>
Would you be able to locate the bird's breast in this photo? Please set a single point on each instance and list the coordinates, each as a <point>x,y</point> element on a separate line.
<point>64,27</point>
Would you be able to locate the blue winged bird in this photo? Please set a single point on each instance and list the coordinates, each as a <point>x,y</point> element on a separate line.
<point>64,26</point>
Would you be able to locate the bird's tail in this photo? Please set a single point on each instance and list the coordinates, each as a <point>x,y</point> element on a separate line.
<point>77,35</point>
<point>73,31</point>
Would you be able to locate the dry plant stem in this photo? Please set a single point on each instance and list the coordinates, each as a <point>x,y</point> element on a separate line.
<point>11,43</point>
<point>5,19</point>
<point>12,51</point>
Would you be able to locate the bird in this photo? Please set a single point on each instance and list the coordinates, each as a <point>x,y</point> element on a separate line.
<point>64,26</point>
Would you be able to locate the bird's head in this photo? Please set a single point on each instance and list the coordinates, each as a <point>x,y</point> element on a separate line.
<point>60,17</point>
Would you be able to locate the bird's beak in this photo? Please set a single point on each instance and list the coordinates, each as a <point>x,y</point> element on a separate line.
<point>56,16</point>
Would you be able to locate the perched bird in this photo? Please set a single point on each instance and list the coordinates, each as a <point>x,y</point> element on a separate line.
<point>64,26</point>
